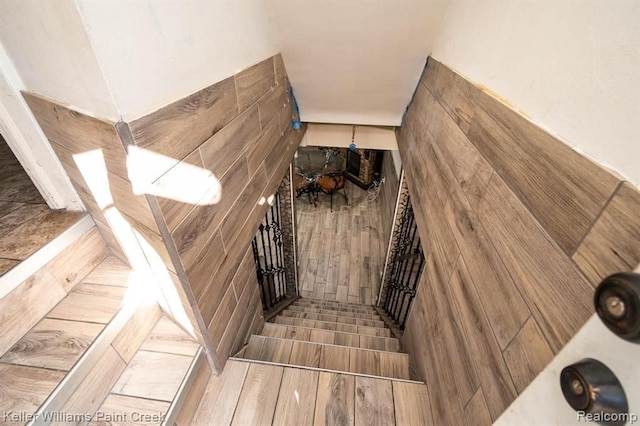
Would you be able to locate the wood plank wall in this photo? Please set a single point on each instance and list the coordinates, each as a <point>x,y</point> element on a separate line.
<point>237,129</point>
<point>517,230</point>
<point>71,132</point>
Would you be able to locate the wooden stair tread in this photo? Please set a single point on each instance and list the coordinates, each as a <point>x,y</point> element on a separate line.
<point>111,271</point>
<point>59,340</point>
<point>53,344</point>
<point>165,361</point>
<point>153,375</point>
<point>347,328</point>
<point>71,358</point>
<point>334,305</point>
<point>389,344</point>
<point>258,393</point>
<point>126,405</point>
<point>332,318</point>
<point>168,337</point>
<point>221,395</point>
<point>367,316</point>
<point>89,303</point>
<point>326,356</point>
<point>23,389</point>
<point>347,304</point>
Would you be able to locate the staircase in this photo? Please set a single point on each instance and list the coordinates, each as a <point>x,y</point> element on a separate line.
<point>330,336</point>
<point>83,342</point>
<point>322,363</point>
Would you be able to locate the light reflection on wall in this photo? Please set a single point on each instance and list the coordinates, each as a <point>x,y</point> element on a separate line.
<point>185,183</point>
<point>156,174</point>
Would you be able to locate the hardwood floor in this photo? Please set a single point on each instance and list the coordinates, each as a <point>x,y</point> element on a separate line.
<point>340,252</point>
<point>26,222</point>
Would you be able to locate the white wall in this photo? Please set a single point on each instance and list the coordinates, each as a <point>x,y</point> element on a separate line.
<point>127,58</point>
<point>116,60</point>
<point>542,402</point>
<point>27,142</point>
<point>397,162</point>
<point>49,47</point>
<point>573,67</point>
<point>355,61</point>
<point>155,52</point>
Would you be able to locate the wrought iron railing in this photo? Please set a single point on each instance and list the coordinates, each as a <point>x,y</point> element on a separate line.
<point>405,268</point>
<point>269,258</point>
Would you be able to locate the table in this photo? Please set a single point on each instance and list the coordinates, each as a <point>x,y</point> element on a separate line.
<point>313,162</point>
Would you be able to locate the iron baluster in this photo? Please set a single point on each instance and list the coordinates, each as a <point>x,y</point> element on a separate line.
<point>407,262</point>
<point>394,265</point>
<point>405,277</point>
<point>415,285</point>
<point>406,253</point>
<point>259,271</point>
<point>268,254</point>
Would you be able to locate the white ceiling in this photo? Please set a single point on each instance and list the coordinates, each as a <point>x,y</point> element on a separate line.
<point>355,61</point>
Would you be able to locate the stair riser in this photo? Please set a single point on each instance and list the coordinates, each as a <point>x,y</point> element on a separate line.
<point>358,315</point>
<point>345,328</point>
<point>328,357</point>
<point>336,306</point>
<point>331,337</point>
<point>333,318</point>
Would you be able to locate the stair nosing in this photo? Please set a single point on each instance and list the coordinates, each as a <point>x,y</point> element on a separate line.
<point>15,276</point>
<point>404,354</point>
<point>326,370</point>
<point>324,329</point>
<point>76,374</point>
<point>183,391</point>
<point>337,316</point>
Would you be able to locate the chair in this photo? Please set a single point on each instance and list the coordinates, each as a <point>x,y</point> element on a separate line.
<point>332,183</point>
<point>299,184</point>
<point>302,184</point>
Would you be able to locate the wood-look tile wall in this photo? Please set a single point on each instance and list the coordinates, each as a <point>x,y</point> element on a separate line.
<point>517,230</point>
<point>38,294</point>
<point>71,132</point>
<point>237,129</point>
